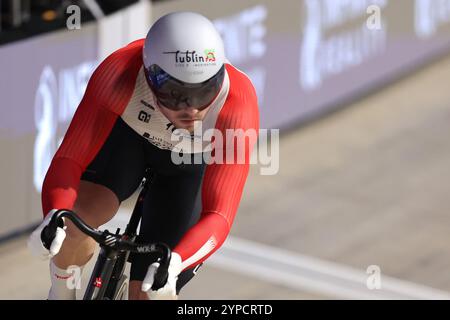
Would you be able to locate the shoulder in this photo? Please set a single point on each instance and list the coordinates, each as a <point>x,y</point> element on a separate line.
<point>241,106</point>
<point>115,77</point>
<point>241,87</point>
<point>121,63</point>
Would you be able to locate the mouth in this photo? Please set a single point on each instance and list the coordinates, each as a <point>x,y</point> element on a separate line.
<point>189,120</point>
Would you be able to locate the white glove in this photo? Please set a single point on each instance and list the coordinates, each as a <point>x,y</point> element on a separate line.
<point>169,291</point>
<point>35,244</point>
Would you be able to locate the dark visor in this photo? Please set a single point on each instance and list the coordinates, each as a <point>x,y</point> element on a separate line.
<point>176,95</point>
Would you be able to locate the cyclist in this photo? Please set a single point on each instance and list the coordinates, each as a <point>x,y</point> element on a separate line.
<point>136,101</point>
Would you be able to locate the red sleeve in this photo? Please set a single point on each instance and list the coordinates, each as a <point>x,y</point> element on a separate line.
<point>223,184</point>
<point>106,97</point>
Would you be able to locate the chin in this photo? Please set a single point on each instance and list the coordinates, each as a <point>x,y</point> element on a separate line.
<point>189,127</point>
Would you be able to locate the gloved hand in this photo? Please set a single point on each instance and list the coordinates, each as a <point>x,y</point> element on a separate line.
<point>35,241</point>
<point>169,291</point>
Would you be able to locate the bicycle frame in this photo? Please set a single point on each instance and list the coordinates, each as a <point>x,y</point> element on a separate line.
<point>110,264</point>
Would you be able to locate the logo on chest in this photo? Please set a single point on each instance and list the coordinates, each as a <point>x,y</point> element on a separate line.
<point>145,116</point>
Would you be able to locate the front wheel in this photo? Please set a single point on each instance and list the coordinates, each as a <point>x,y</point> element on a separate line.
<point>122,289</point>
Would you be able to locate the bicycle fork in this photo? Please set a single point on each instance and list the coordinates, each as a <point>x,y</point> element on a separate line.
<point>101,275</point>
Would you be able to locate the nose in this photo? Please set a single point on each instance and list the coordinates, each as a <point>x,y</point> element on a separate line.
<point>195,102</point>
<point>191,111</point>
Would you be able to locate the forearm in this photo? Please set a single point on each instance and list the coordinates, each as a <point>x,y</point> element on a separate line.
<point>60,185</point>
<point>203,239</point>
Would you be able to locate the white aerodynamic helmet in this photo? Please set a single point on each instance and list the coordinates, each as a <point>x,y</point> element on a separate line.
<point>184,60</point>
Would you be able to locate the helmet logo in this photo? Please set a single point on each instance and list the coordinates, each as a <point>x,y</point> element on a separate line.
<point>184,58</point>
<point>209,55</point>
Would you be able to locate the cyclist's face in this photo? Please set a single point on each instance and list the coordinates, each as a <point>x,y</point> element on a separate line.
<point>185,118</point>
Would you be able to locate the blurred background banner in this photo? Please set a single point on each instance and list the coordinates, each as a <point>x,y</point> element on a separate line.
<point>42,81</point>
<point>43,78</point>
<point>305,58</point>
